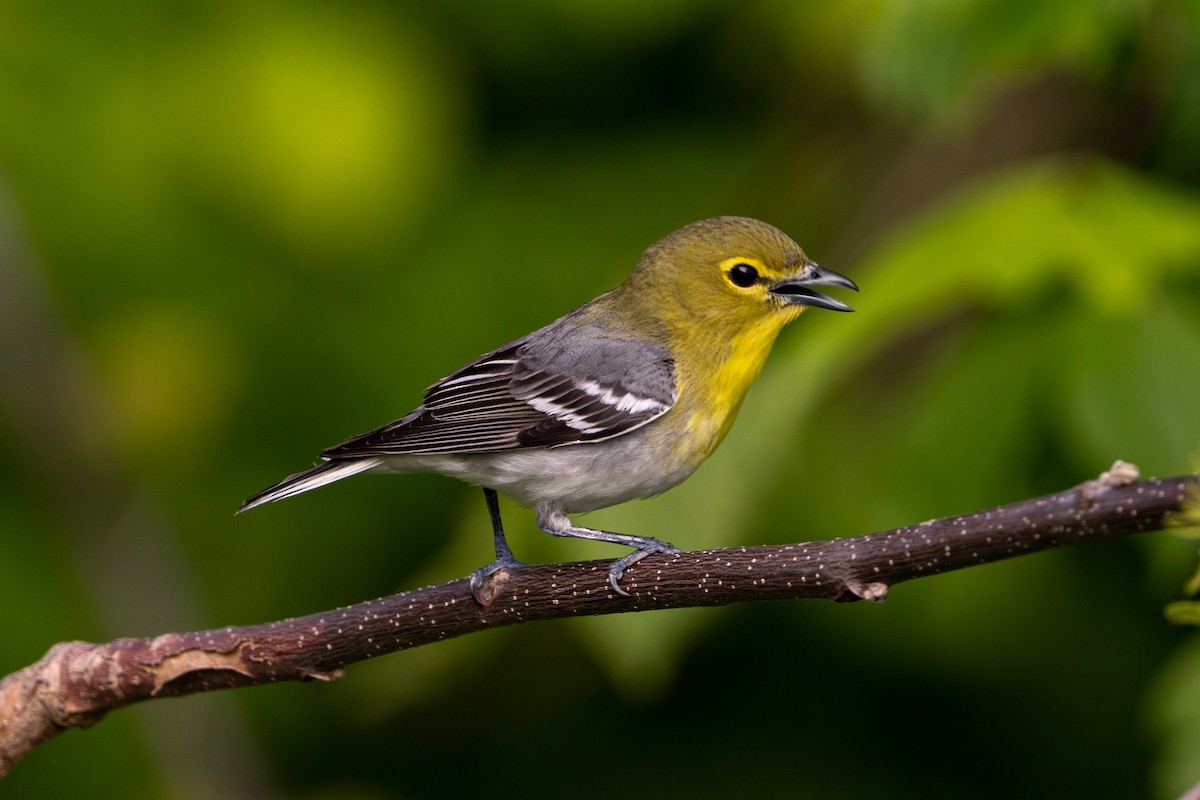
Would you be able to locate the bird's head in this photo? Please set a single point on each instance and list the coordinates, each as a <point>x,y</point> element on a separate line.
<point>733,273</point>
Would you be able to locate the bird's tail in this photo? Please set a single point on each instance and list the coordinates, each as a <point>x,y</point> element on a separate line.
<point>321,474</point>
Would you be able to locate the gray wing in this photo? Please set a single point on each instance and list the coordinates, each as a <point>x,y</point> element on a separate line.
<point>565,384</point>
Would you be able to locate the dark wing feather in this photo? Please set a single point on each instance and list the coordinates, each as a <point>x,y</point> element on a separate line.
<point>550,389</point>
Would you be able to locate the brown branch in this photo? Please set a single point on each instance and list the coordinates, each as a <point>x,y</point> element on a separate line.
<point>76,683</point>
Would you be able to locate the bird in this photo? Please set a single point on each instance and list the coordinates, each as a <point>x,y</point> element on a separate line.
<point>621,398</point>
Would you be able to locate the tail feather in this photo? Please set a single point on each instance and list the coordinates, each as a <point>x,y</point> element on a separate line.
<point>321,474</point>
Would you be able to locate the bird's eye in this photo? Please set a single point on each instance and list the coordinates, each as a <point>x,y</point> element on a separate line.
<point>743,275</point>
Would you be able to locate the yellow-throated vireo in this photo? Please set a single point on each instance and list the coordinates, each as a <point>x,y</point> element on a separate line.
<point>622,398</point>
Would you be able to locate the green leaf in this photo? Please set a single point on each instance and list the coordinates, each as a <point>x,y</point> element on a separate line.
<point>1183,612</point>
<point>942,58</point>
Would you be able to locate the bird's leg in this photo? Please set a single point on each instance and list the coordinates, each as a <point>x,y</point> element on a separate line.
<point>503,552</point>
<point>555,522</point>
<point>504,556</point>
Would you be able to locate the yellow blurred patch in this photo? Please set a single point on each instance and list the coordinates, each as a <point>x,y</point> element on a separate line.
<point>320,128</point>
<point>169,381</point>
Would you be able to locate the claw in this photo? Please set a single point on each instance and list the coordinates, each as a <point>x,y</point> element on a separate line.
<point>649,548</point>
<point>485,593</point>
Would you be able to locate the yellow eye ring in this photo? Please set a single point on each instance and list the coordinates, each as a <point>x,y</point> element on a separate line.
<point>742,275</point>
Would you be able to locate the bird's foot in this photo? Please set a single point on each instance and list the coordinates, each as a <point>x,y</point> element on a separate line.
<point>646,547</point>
<point>484,585</point>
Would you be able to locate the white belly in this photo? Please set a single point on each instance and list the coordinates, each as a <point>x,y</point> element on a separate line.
<point>575,478</point>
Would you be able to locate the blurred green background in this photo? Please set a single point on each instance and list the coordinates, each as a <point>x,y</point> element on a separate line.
<point>234,233</point>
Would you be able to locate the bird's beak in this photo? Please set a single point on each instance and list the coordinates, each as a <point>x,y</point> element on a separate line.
<point>796,290</point>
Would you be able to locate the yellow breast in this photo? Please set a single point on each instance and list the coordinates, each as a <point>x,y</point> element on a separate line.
<point>713,384</point>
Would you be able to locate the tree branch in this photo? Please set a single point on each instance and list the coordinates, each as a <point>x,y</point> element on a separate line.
<point>76,683</point>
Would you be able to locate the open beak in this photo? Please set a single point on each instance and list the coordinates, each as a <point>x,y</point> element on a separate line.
<point>797,292</point>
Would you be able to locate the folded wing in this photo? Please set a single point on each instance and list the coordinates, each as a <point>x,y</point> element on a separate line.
<point>553,388</point>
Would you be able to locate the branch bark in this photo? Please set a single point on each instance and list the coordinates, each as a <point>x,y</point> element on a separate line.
<point>76,683</point>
